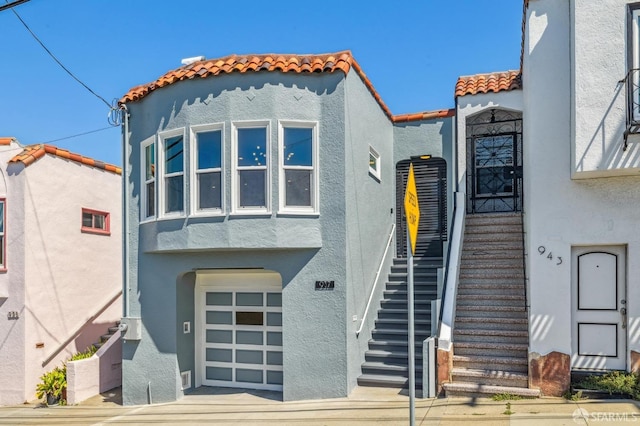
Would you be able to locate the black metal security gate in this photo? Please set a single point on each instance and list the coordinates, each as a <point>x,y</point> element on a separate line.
<point>431,185</point>
<point>494,162</point>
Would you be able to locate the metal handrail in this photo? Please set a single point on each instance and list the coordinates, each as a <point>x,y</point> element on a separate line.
<point>631,81</point>
<point>375,281</point>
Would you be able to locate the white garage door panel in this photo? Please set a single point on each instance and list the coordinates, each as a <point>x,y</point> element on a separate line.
<point>242,345</point>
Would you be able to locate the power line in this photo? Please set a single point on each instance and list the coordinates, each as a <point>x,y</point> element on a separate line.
<point>12,4</point>
<point>79,134</point>
<point>111,107</point>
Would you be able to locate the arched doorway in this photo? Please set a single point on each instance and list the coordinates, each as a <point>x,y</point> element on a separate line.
<point>494,161</point>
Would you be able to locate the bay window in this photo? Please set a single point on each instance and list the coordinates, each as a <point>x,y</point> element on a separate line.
<point>298,167</point>
<point>251,168</point>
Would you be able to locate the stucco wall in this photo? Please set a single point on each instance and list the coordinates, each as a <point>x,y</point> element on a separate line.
<point>560,212</point>
<point>369,203</point>
<point>599,61</point>
<point>301,249</point>
<point>70,276</point>
<point>12,291</point>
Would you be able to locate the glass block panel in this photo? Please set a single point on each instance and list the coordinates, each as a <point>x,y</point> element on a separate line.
<point>219,336</point>
<point>298,188</point>
<point>210,149</point>
<point>248,357</point>
<point>274,338</point>
<point>274,318</point>
<point>298,147</point>
<point>274,299</point>
<point>274,358</point>
<point>219,299</point>
<point>219,373</point>
<point>252,147</point>
<point>209,190</point>
<point>174,194</point>
<point>220,355</point>
<point>249,376</point>
<point>253,188</point>
<point>249,299</point>
<point>249,318</point>
<point>274,377</point>
<point>219,317</point>
<point>249,337</point>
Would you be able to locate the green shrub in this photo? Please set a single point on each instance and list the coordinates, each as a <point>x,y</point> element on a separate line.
<point>614,382</point>
<point>53,386</point>
<point>87,353</point>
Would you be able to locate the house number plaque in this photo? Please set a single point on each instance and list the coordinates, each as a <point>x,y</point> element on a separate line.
<point>325,285</point>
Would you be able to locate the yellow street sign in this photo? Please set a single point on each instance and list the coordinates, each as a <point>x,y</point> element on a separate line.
<point>412,209</point>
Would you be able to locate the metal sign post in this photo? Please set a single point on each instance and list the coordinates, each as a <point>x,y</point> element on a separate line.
<point>412,212</point>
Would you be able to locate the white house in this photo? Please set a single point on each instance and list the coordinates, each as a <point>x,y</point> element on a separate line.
<point>60,256</point>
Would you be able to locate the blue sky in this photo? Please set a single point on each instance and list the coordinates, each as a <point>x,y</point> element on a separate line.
<point>412,51</point>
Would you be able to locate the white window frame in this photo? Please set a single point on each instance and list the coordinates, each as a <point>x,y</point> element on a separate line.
<point>193,148</point>
<point>236,209</point>
<point>3,235</point>
<point>314,209</point>
<point>144,181</point>
<point>161,176</point>
<point>635,46</point>
<point>376,173</point>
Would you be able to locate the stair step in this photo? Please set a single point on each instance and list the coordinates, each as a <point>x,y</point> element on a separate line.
<point>402,322</point>
<point>482,288</point>
<point>510,363</point>
<point>467,389</point>
<point>423,277</point>
<point>386,381</point>
<point>494,299</point>
<point>382,334</point>
<point>491,311</point>
<point>490,377</point>
<point>493,218</point>
<point>401,294</point>
<point>390,357</point>
<point>491,323</point>
<point>492,349</point>
<point>516,275</point>
<point>383,369</point>
<point>503,228</point>
<point>489,263</point>
<point>493,237</point>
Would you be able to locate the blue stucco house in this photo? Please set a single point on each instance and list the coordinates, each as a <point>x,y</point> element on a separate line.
<point>263,200</point>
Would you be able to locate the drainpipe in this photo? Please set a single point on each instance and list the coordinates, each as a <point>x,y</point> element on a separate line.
<point>125,212</point>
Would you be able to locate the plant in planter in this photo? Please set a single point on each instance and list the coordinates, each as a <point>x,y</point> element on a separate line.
<point>53,386</point>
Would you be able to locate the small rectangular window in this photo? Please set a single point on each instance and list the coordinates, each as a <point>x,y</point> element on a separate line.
<point>148,199</point>
<point>251,174</point>
<point>374,163</point>
<point>207,177</point>
<point>95,222</point>
<point>299,172</point>
<point>3,241</point>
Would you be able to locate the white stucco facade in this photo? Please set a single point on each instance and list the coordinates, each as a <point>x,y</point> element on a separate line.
<point>61,288</point>
<point>581,187</point>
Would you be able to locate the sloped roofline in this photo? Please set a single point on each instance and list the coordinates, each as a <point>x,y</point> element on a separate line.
<point>308,63</point>
<point>32,153</point>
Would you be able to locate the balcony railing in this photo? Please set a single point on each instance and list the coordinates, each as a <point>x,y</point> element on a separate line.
<point>632,89</point>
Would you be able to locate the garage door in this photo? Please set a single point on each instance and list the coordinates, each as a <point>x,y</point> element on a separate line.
<point>241,334</point>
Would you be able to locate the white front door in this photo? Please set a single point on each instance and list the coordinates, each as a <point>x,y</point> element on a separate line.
<point>599,308</point>
<point>239,326</point>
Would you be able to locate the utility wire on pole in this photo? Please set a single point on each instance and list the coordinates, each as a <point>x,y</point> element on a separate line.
<point>12,4</point>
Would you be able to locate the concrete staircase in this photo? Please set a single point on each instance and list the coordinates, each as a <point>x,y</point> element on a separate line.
<point>111,331</point>
<point>490,336</point>
<point>387,360</point>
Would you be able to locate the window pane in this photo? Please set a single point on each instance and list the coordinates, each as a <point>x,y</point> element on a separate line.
<point>249,299</point>
<point>249,376</point>
<point>173,158</point>
<point>218,317</point>
<point>219,336</point>
<point>249,337</point>
<point>218,373</point>
<point>98,221</point>
<point>150,161</point>
<point>209,150</point>
<point>174,195</point>
<point>220,355</point>
<point>248,357</point>
<point>253,188</point>
<point>2,250</point>
<point>274,319</point>
<point>274,377</point>
<point>151,199</point>
<point>2,217</point>
<point>249,318</point>
<point>298,147</point>
<point>274,299</point>
<point>219,299</point>
<point>493,180</point>
<point>87,220</point>
<point>298,187</point>
<point>209,190</point>
<point>373,162</point>
<point>494,151</point>
<point>252,147</point>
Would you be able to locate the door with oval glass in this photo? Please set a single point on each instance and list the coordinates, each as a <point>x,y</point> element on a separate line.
<point>599,308</point>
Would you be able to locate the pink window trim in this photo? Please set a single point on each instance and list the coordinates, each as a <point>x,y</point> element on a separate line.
<point>90,230</point>
<point>3,265</point>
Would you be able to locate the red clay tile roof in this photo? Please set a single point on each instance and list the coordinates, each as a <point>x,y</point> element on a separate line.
<point>329,62</point>
<point>485,83</point>
<point>426,115</point>
<point>6,141</point>
<point>32,153</point>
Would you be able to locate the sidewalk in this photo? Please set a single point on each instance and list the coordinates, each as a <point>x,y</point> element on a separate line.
<point>365,406</point>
